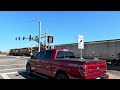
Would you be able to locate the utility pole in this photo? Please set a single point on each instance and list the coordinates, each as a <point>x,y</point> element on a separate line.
<point>46,39</point>
<point>39,34</point>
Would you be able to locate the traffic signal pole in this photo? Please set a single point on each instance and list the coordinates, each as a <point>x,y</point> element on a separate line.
<point>46,39</point>
<point>39,34</point>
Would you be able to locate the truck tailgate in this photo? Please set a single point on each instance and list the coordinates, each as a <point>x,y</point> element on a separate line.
<point>95,69</point>
<point>86,68</point>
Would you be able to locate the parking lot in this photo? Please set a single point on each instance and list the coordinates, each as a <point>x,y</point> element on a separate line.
<point>13,67</point>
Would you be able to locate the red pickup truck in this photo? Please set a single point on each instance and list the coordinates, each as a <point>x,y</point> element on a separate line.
<point>62,64</point>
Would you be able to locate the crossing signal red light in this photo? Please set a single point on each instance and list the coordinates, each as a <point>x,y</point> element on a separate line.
<point>50,39</point>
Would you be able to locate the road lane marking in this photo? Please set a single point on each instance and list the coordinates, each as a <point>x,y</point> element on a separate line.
<point>9,59</point>
<point>9,73</point>
<point>11,69</point>
<point>5,76</point>
<point>12,65</point>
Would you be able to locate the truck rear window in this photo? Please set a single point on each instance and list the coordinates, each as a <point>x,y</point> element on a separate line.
<point>64,54</point>
<point>44,55</point>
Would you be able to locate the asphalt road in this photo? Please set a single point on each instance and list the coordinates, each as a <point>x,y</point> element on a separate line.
<point>13,67</point>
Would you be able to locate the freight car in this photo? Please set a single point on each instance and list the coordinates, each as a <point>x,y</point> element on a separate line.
<point>24,51</point>
<point>20,52</point>
<point>104,49</point>
<point>14,52</point>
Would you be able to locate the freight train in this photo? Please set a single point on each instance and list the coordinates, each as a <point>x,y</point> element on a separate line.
<point>108,50</point>
<point>104,49</point>
<point>24,51</point>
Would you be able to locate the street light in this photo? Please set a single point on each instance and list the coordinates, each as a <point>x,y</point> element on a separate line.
<point>39,32</point>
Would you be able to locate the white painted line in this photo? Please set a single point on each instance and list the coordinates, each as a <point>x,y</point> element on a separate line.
<point>11,69</point>
<point>12,65</point>
<point>5,76</point>
<point>9,59</point>
<point>9,73</point>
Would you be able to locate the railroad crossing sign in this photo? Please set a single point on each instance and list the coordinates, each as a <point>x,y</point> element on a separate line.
<point>80,42</point>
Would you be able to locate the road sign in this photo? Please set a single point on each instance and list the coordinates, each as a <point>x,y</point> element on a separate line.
<point>80,42</point>
<point>36,39</point>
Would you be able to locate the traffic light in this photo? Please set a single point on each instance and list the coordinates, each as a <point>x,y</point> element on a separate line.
<point>50,39</point>
<point>30,37</point>
<point>23,38</point>
<point>19,38</point>
<point>16,38</point>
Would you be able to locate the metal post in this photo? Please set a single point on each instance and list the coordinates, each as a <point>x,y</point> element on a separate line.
<point>31,51</point>
<point>81,53</point>
<point>46,39</point>
<point>39,34</point>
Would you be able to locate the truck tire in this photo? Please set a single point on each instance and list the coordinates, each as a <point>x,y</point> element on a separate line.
<point>28,69</point>
<point>61,76</point>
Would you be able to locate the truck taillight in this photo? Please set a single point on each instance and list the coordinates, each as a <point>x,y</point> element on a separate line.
<point>83,69</point>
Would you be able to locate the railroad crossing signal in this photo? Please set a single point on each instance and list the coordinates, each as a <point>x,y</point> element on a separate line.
<point>50,39</point>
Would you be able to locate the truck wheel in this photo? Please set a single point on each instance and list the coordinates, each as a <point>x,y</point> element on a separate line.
<point>61,76</point>
<point>28,69</point>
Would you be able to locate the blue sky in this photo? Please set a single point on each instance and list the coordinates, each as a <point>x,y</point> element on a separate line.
<point>65,26</point>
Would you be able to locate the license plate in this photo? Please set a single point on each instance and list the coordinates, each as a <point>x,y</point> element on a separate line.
<point>98,78</point>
